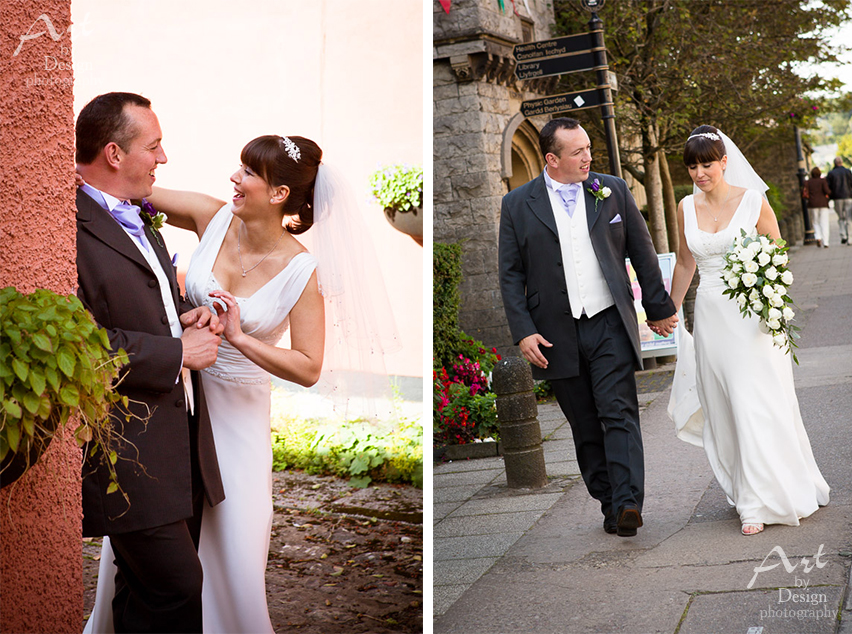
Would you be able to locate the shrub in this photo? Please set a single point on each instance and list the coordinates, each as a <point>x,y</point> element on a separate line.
<point>363,451</point>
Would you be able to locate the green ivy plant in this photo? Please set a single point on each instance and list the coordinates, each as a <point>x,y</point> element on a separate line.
<point>55,362</point>
<point>398,188</point>
<point>363,451</point>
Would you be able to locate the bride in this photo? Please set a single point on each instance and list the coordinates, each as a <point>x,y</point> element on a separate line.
<point>747,417</point>
<point>261,281</point>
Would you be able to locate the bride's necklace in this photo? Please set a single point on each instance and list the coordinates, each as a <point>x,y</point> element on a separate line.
<point>240,255</point>
<point>721,208</point>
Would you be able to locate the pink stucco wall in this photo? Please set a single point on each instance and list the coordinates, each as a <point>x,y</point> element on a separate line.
<point>40,516</point>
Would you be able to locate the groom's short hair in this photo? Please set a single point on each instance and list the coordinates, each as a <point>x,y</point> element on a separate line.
<point>547,138</point>
<point>104,121</point>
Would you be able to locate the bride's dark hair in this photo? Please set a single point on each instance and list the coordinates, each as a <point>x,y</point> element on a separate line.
<point>275,161</point>
<point>702,147</point>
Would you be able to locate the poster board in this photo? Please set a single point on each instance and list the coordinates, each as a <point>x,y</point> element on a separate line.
<point>653,345</point>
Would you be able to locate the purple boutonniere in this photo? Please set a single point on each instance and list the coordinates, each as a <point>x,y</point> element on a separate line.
<point>151,217</point>
<point>599,192</point>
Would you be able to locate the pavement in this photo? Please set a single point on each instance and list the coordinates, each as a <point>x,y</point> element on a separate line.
<point>516,560</point>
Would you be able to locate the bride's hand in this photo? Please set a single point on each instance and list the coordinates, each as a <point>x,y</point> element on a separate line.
<point>230,319</point>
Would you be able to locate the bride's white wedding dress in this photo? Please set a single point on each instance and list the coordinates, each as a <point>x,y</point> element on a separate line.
<point>234,542</point>
<point>749,422</point>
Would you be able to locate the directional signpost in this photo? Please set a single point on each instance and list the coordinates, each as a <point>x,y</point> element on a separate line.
<point>572,54</point>
<point>547,66</point>
<point>561,103</point>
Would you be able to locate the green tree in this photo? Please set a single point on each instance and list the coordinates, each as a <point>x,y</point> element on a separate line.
<point>681,63</point>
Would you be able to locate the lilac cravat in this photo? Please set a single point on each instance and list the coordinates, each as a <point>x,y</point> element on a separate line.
<point>568,194</point>
<point>127,216</point>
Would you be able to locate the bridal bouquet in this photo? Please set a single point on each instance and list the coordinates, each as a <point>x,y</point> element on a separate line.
<point>758,279</point>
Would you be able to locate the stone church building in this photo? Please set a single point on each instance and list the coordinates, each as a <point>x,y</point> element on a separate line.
<point>483,145</point>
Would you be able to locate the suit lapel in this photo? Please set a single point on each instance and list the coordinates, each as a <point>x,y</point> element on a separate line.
<point>165,262</point>
<point>539,202</point>
<point>592,210</point>
<point>97,221</point>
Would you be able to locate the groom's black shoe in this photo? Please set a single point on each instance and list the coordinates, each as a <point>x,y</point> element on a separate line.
<point>629,519</point>
<point>610,524</point>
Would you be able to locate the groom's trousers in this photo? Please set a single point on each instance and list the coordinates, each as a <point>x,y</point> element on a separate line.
<point>158,583</point>
<point>603,410</point>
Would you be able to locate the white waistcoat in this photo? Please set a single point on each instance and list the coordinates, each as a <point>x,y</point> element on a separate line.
<point>587,288</point>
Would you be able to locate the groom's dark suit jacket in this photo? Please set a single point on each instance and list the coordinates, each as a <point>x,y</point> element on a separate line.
<point>532,279</point>
<point>121,291</point>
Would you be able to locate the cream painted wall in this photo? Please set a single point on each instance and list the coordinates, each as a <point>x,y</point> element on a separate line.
<point>347,74</point>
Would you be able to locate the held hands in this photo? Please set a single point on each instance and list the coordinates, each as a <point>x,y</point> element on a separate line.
<point>200,343</point>
<point>663,327</point>
<point>229,315</point>
<point>202,317</point>
<point>529,348</point>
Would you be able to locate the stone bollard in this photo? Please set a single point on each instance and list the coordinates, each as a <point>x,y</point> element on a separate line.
<point>520,433</point>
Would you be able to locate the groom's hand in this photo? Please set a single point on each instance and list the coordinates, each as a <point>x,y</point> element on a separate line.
<point>202,317</point>
<point>200,347</point>
<point>664,327</point>
<point>529,348</point>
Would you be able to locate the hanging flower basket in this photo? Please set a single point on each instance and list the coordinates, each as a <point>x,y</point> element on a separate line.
<point>399,190</point>
<point>54,362</point>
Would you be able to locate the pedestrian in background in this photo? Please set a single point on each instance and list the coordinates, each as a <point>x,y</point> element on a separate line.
<point>840,182</point>
<point>818,192</point>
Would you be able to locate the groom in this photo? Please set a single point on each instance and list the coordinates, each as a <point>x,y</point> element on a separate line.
<point>166,465</point>
<point>569,303</point>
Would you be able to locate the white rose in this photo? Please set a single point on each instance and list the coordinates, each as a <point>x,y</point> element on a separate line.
<point>774,313</point>
<point>749,279</point>
<point>780,290</point>
<point>737,268</point>
<point>777,301</point>
<point>741,300</point>
<point>774,324</point>
<point>787,278</point>
<point>751,266</point>
<point>771,273</point>
<point>779,259</point>
<point>757,306</point>
<point>788,313</point>
<point>606,191</point>
<point>754,295</point>
<point>745,255</point>
<point>763,259</point>
<point>755,247</point>
<point>780,340</point>
<point>733,282</point>
<point>768,291</point>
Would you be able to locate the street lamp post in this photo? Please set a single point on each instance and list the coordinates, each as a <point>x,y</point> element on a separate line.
<point>801,172</point>
<point>607,110</point>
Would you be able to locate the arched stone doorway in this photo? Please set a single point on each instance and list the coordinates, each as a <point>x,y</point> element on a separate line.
<point>521,156</point>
